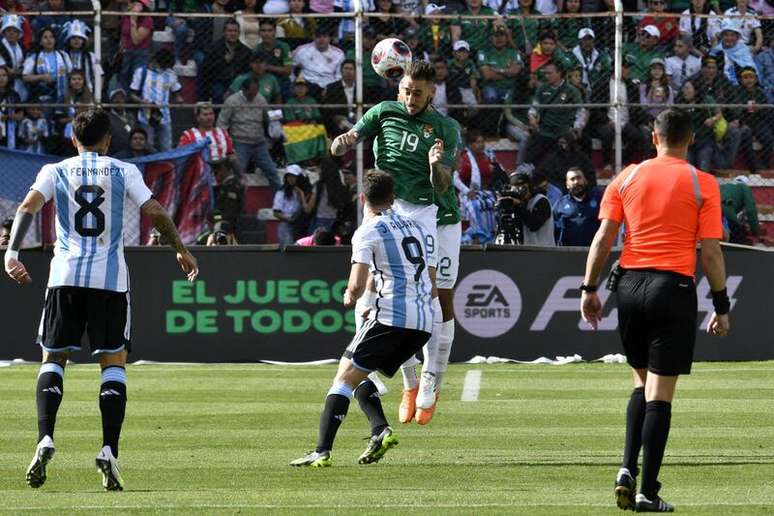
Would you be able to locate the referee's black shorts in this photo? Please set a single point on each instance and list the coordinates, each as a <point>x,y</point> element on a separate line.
<point>657,319</point>
<point>377,347</point>
<point>69,312</point>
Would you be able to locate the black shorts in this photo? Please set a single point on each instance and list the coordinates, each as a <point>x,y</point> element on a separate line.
<point>377,347</point>
<point>657,319</point>
<point>69,312</point>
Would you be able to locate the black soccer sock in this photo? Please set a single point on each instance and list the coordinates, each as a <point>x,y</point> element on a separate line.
<point>48,395</point>
<point>635,415</point>
<point>367,395</point>
<point>336,407</point>
<point>112,405</point>
<point>655,432</point>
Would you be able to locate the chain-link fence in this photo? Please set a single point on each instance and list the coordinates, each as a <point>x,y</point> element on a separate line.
<point>533,79</point>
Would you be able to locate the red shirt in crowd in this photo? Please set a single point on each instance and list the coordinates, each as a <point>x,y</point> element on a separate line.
<point>126,33</point>
<point>484,167</point>
<point>220,141</point>
<point>668,27</point>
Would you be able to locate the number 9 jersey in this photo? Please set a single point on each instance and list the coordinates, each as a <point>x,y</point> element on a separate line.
<point>396,252</point>
<point>90,193</point>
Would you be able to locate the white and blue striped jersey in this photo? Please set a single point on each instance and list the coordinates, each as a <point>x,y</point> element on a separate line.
<point>90,193</point>
<point>395,249</point>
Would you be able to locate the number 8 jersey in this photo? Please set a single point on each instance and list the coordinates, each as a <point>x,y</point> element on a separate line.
<point>90,193</point>
<point>396,252</point>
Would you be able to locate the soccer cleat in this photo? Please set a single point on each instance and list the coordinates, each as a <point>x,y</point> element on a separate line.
<point>625,487</point>
<point>378,446</point>
<point>315,459</point>
<point>427,390</point>
<point>108,466</point>
<point>424,416</point>
<point>642,504</point>
<point>36,473</point>
<point>408,405</point>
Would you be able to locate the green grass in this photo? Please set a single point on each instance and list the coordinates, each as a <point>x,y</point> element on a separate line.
<point>540,440</point>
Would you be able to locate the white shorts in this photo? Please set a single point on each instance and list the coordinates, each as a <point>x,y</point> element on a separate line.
<point>427,217</point>
<point>449,238</point>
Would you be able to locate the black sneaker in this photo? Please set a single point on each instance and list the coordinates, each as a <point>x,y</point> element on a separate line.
<point>625,488</point>
<point>642,504</point>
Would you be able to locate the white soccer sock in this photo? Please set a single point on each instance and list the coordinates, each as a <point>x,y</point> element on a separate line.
<point>409,372</point>
<point>445,339</point>
<point>365,302</point>
<point>430,349</point>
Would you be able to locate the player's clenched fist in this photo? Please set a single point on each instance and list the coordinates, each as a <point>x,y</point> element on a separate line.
<point>343,142</point>
<point>436,152</point>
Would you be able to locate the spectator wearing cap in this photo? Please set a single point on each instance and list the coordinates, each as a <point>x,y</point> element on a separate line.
<point>668,26</point>
<point>595,65</point>
<point>157,84</point>
<point>138,145</point>
<point>122,121</point>
<point>746,21</point>
<point>221,147</point>
<point>280,60</point>
<point>387,26</point>
<point>736,53</point>
<point>682,64</point>
<point>435,36</point>
<point>290,203</point>
<point>738,205</point>
<point>46,69</point>
<point>702,31</point>
<point>547,51</point>
<point>475,31</point>
<point>525,31</point>
<point>12,52</point>
<point>576,213</point>
<point>319,61</point>
<point>754,121</point>
<point>16,8</point>
<point>498,64</point>
<point>295,108</point>
<point>226,59</point>
<point>641,53</point>
<point>56,22</point>
<point>242,116</point>
<point>249,24</point>
<point>765,62</point>
<point>77,48</point>
<point>567,29</point>
<point>228,191</point>
<point>136,39</point>
<point>269,85</point>
<point>9,116</point>
<point>463,72</point>
<point>371,79</point>
<point>295,29</point>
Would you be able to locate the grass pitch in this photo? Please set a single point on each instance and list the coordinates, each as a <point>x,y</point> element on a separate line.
<point>216,439</point>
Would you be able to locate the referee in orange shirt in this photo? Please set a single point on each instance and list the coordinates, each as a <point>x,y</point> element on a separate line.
<point>666,206</point>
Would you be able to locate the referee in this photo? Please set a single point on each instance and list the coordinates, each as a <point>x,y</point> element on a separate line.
<point>667,205</point>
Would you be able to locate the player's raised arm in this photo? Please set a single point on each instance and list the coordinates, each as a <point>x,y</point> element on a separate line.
<point>161,221</point>
<point>440,173</point>
<point>343,142</point>
<point>21,224</point>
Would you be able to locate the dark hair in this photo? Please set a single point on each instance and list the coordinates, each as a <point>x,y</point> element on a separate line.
<point>249,82</point>
<point>547,34</point>
<point>138,130</point>
<point>421,71</point>
<point>265,21</point>
<point>8,223</point>
<point>322,236</point>
<point>556,65</point>
<point>574,169</point>
<point>674,125</point>
<point>347,61</point>
<point>91,126</point>
<point>164,58</point>
<point>378,187</point>
<point>472,135</point>
<point>39,37</point>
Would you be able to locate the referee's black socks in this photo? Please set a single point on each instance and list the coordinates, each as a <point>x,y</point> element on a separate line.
<point>48,396</point>
<point>112,405</point>
<point>635,415</point>
<point>655,431</point>
<point>336,407</point>
<point>367,395</point>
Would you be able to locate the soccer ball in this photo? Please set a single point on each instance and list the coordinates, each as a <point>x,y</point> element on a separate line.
<point>390,58</point>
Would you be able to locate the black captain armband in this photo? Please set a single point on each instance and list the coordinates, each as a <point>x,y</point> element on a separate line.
<point>721,302</point>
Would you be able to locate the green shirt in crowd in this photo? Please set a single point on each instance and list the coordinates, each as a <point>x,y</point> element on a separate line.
<point>556,122</point>
<point>370,78</point>
<point>640,59</point>
<point>499,59</point>
<point>301,114</point>
<point>476,32</point>
<point>268,86</point>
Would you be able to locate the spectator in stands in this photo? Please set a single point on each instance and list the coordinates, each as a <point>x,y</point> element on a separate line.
<point>77,45</point>
<point>223,62</point>
<point>291,113</point>
<point>549,124</point>
<point>371,80</point>
<point>596,65</point>
<point>5,231</point>
<point>201,28</point>
<point>55,22</point>
<point>546,51</point>
<point>289,203</point>
<point>463,72</point>
<point>765,62</point>
<point>319,62</point>
<point>345,32</point>
<point>156,84</point>
<point>320,236</point>
<point>77,98</point>
<point>16,8</point>
<point>136,40</point>
<point>568,29</point>
<point>219,23</point>
<point>228,192</point>
<point>249,24</point>
<point>475,31</point>
<point>9,116</point>
<point>387,26</point>
<point>575,214</point>
<point>328,196</point>
<point>446,92</point>
<point>342,119</point>
<point>476,167</point>
<point>524,31</point>
<point>641,53</point>
<point>682,64</point>
<point>34,130</point>
<point>12,53</point>
<point>738,206</point>
<point>655,91</point>
<point>564,156</point>
<point>746,21</point>
<point>269,85</point>
<point>121,122</point>
<point>242,116</point>
<point>276,7</point>
<point>498,65</point>
<point>324,7</point>
<point>542,184</point>
<point>281,62</point>
<point>575,79</point>
<point>754,122</point>
<point>221,146</point>
<point>516,120</point>
<point>702,31</point>
<point>710,81</point>
<point>668,26</point>
<point>704,118</point>
<point>436,38</point>
<point>46,70</point>
<point>736,53</point>
<point>411,38</point>
<point>295,29</point>
<point>138,145</point>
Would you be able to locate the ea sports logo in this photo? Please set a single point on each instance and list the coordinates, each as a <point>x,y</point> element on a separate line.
<point>487,303</point>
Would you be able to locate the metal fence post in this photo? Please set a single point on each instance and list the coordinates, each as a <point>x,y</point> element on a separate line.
<point>359,99</point>
<point>618,83</point>
<point>97,6</point>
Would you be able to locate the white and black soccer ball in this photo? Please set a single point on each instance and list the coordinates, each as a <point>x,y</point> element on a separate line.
<point>390,58</point>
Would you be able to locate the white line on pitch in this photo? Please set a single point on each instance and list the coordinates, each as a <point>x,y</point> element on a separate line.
<point>471,386</point>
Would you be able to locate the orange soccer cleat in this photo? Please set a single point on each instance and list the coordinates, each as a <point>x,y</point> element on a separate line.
<point>408,405</point>
<point>425,415</point>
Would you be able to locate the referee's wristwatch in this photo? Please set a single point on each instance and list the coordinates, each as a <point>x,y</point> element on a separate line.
<point>588,288</point>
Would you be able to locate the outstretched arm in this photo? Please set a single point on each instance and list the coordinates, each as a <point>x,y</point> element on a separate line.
<point>21,224</point>
<point>343,142</point>
<point>161,221</point>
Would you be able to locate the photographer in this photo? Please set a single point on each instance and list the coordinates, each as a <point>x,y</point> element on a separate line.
<point>524,213</point>
<point>219,231</point>
<point>228,191</point>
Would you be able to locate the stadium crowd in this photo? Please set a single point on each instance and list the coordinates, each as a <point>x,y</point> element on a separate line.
<point>274,73</point>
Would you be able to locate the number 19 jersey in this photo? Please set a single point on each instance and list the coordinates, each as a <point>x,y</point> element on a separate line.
<point>395,250</point>
<point>90,193</point>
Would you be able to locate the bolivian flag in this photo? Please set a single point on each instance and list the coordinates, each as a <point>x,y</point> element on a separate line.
<point>304,141</point>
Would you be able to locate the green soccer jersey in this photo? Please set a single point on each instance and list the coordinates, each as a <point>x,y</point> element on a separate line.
<point>402,143</point>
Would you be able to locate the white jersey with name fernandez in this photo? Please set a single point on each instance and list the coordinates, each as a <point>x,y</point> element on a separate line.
<point>395,250</point>
<point>90,193</point>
